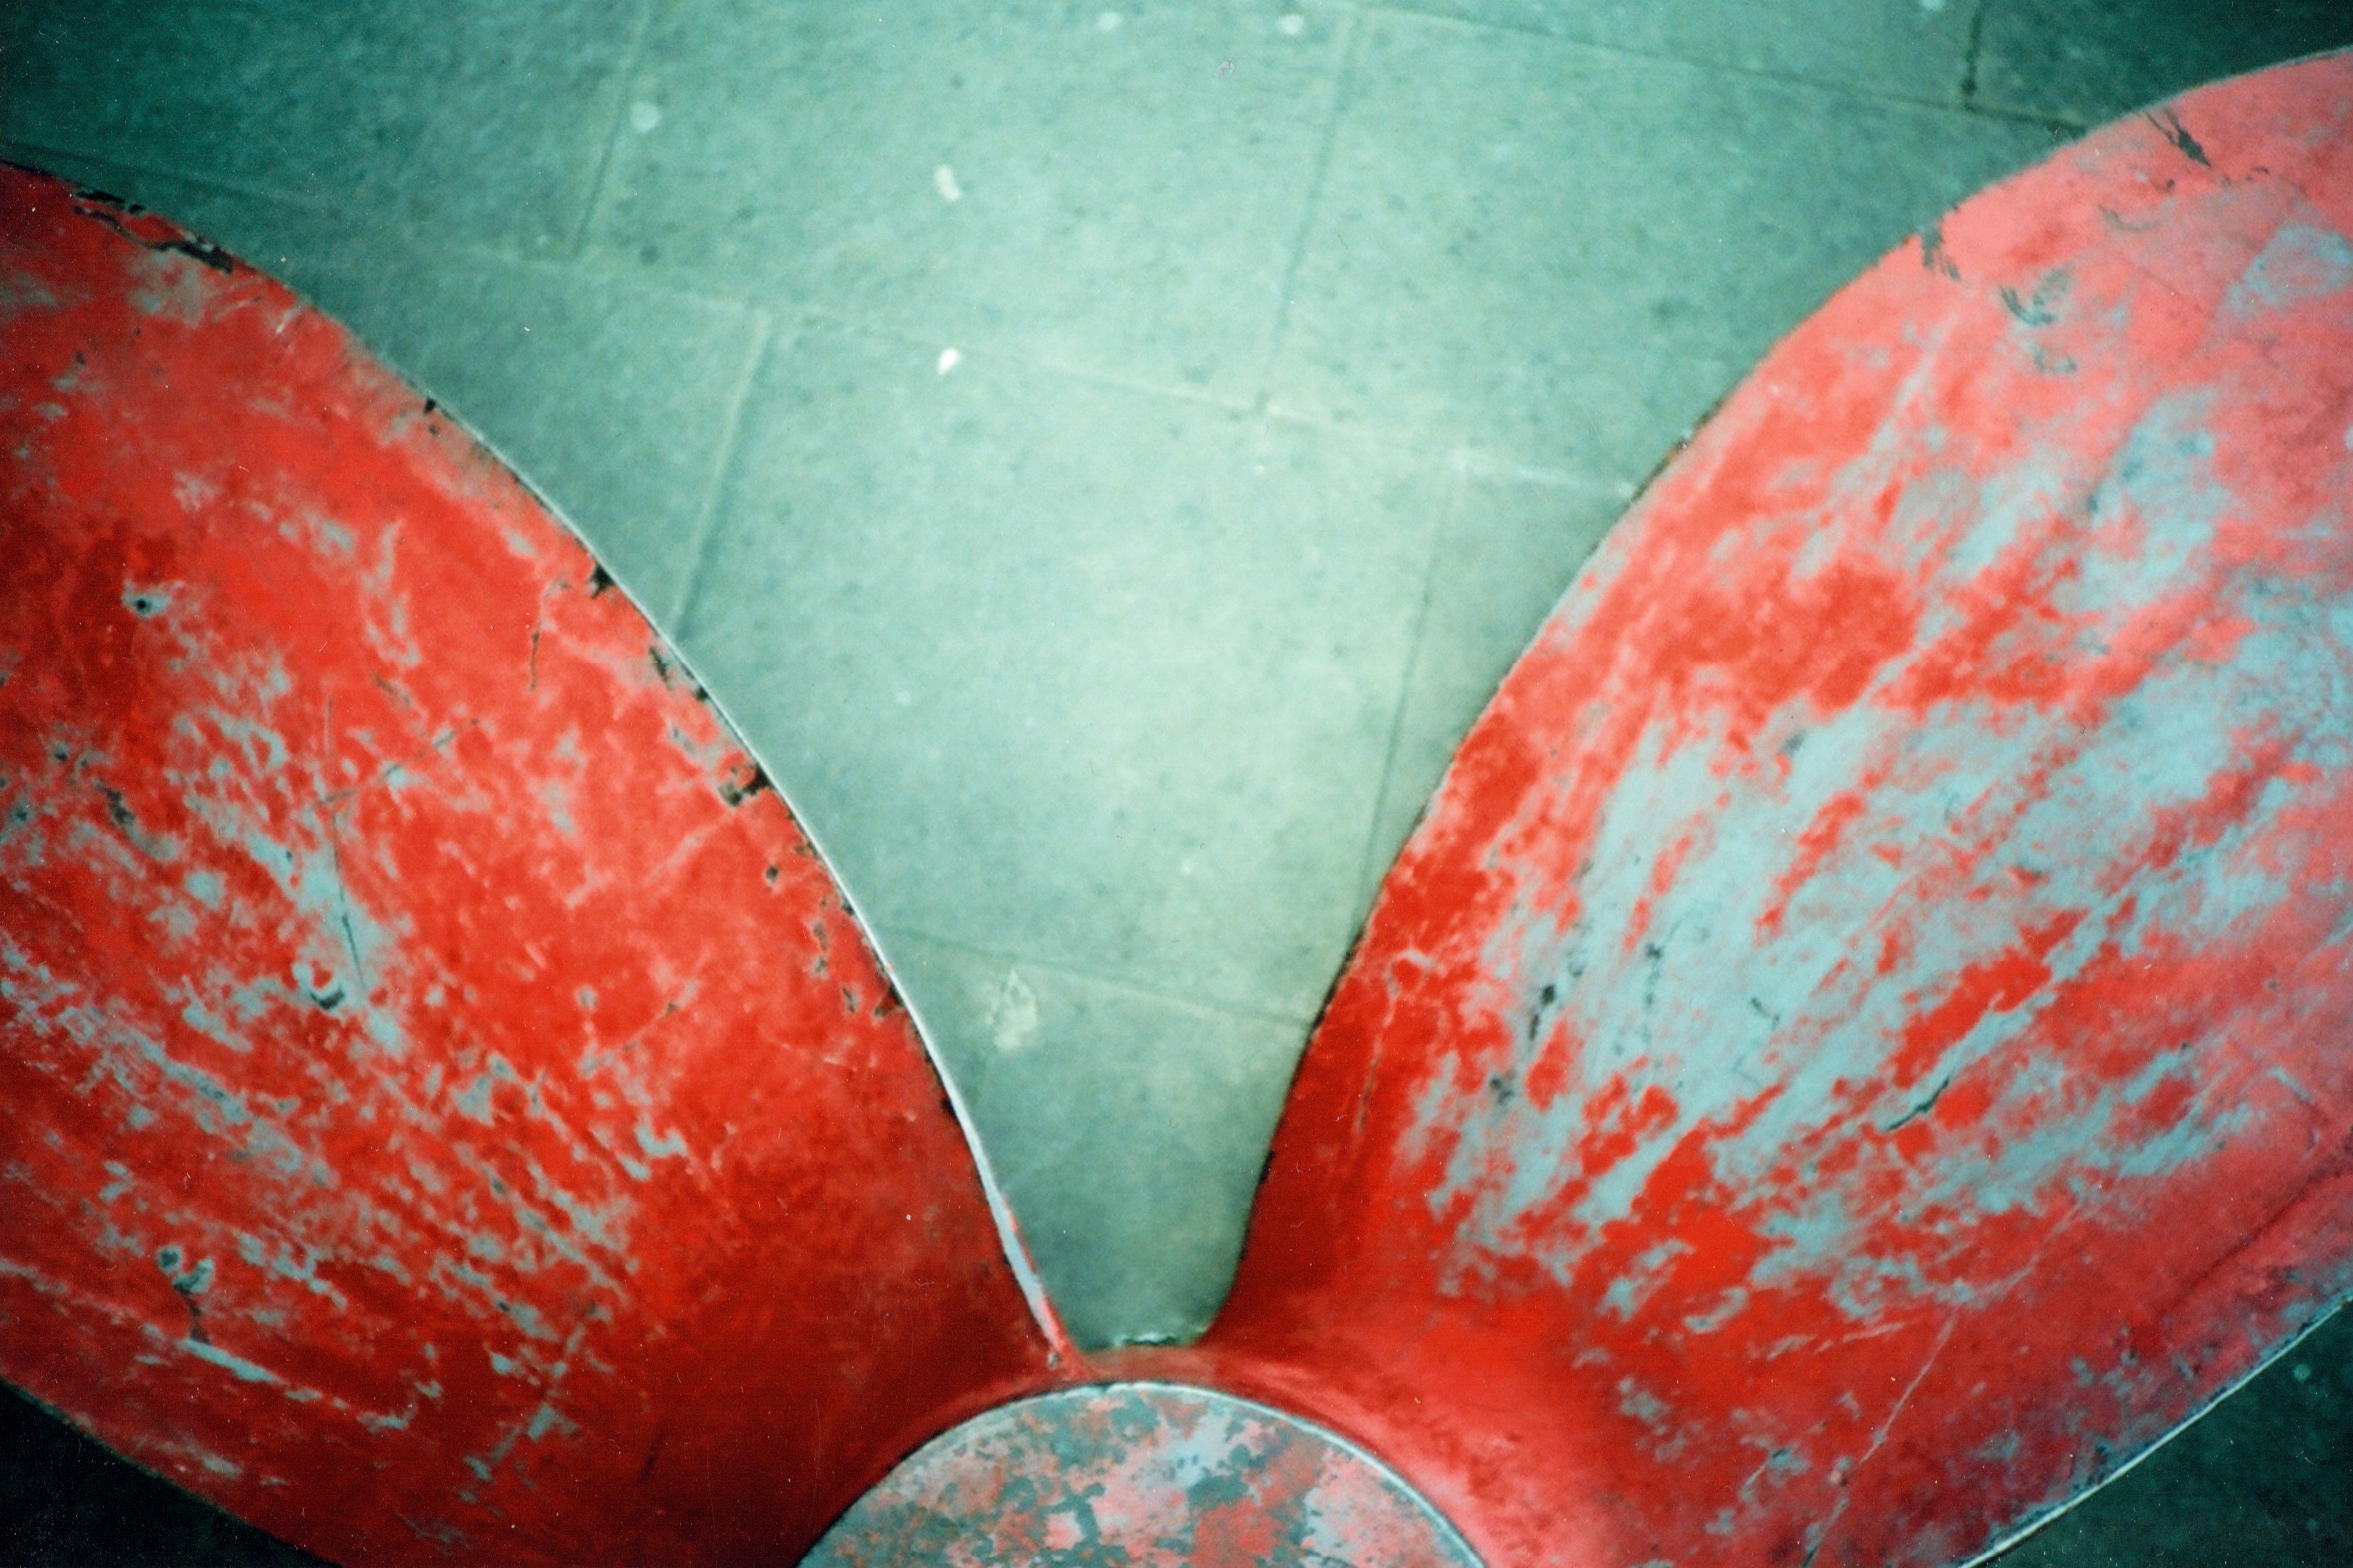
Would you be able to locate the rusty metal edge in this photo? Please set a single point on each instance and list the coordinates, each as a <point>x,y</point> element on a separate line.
<point>1059,1351</point>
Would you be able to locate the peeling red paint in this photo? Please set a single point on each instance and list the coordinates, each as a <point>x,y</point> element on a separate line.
<point>452,1114</point>
<point>1855,1051</point>
<point>1139,1474</point>
<point>1853,1055</point>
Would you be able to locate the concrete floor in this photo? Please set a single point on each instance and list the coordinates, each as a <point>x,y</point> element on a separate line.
<point>1102,457</point>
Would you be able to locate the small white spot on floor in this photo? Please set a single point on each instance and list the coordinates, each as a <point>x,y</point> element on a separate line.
<point>1932,4</point>
<point>1013,1014</point>
<point>949,360</point>
<point>1293,24</point>
<point>2303,1372</point>
<point>944,180</point>
<point>1109,22</point>
<point>644,117</point>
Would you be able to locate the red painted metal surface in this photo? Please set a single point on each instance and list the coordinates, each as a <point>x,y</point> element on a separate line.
<point>1858,1048</point>
<point>1138,1475</point>
<point>1855,1053</point>
<point>452,1113</point>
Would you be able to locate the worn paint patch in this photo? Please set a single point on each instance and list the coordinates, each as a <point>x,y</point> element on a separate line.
<point>328,769</point>
<point>1854,1053</point>
<point>1136,1475</point>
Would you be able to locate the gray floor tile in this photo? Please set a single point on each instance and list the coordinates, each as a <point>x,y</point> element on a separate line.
<point>1128,1129</point>
<point>1126,193</point>
<point>615,399</point>
<point>1096,676</point>
<point>1564,255</point>
<point>487,119</point>
<point>1903,48</point>
<point>1510,547</point>
<point>2089,61</point>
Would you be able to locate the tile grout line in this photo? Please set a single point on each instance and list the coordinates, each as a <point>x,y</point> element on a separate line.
<point>723,471</point>
<point>1458,456</point>
<point>675,287</point>
<point>1365,866</point>
<point>631,58</point>
<point>1755,73</point>
<point>882,928</point>
<point>1340,76</point>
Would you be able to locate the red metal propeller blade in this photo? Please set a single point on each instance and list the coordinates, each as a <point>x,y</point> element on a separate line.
<point>1858,1050</point>
<point>1854,1056</point>
<point>452,1112</point>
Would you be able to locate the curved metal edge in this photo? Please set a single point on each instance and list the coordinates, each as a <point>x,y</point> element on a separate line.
<point>1059,1349</point>
<point>1441,1528</point>
<point>2279,1354</point>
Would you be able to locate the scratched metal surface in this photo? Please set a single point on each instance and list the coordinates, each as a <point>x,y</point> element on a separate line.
<point>1857,1049</point>
<point>1135,1475</point>
<point>452,1113</point>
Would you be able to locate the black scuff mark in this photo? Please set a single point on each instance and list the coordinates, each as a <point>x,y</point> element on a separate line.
<point>188,1280</point>
<point>1935,257</point>
<point>343,909</point>
<point>103,198</point>
<point>208,255</point>
<point>653,1452</point>
<point>598,580</point>
<point>2169,125</point>
<point>1923,1107</point>
<point>2034,312</point>
<point>118,812</point>
<point>201,251</point>
<point>1968,98</point>
<point>737,790</point>
<point>1653,958</point>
